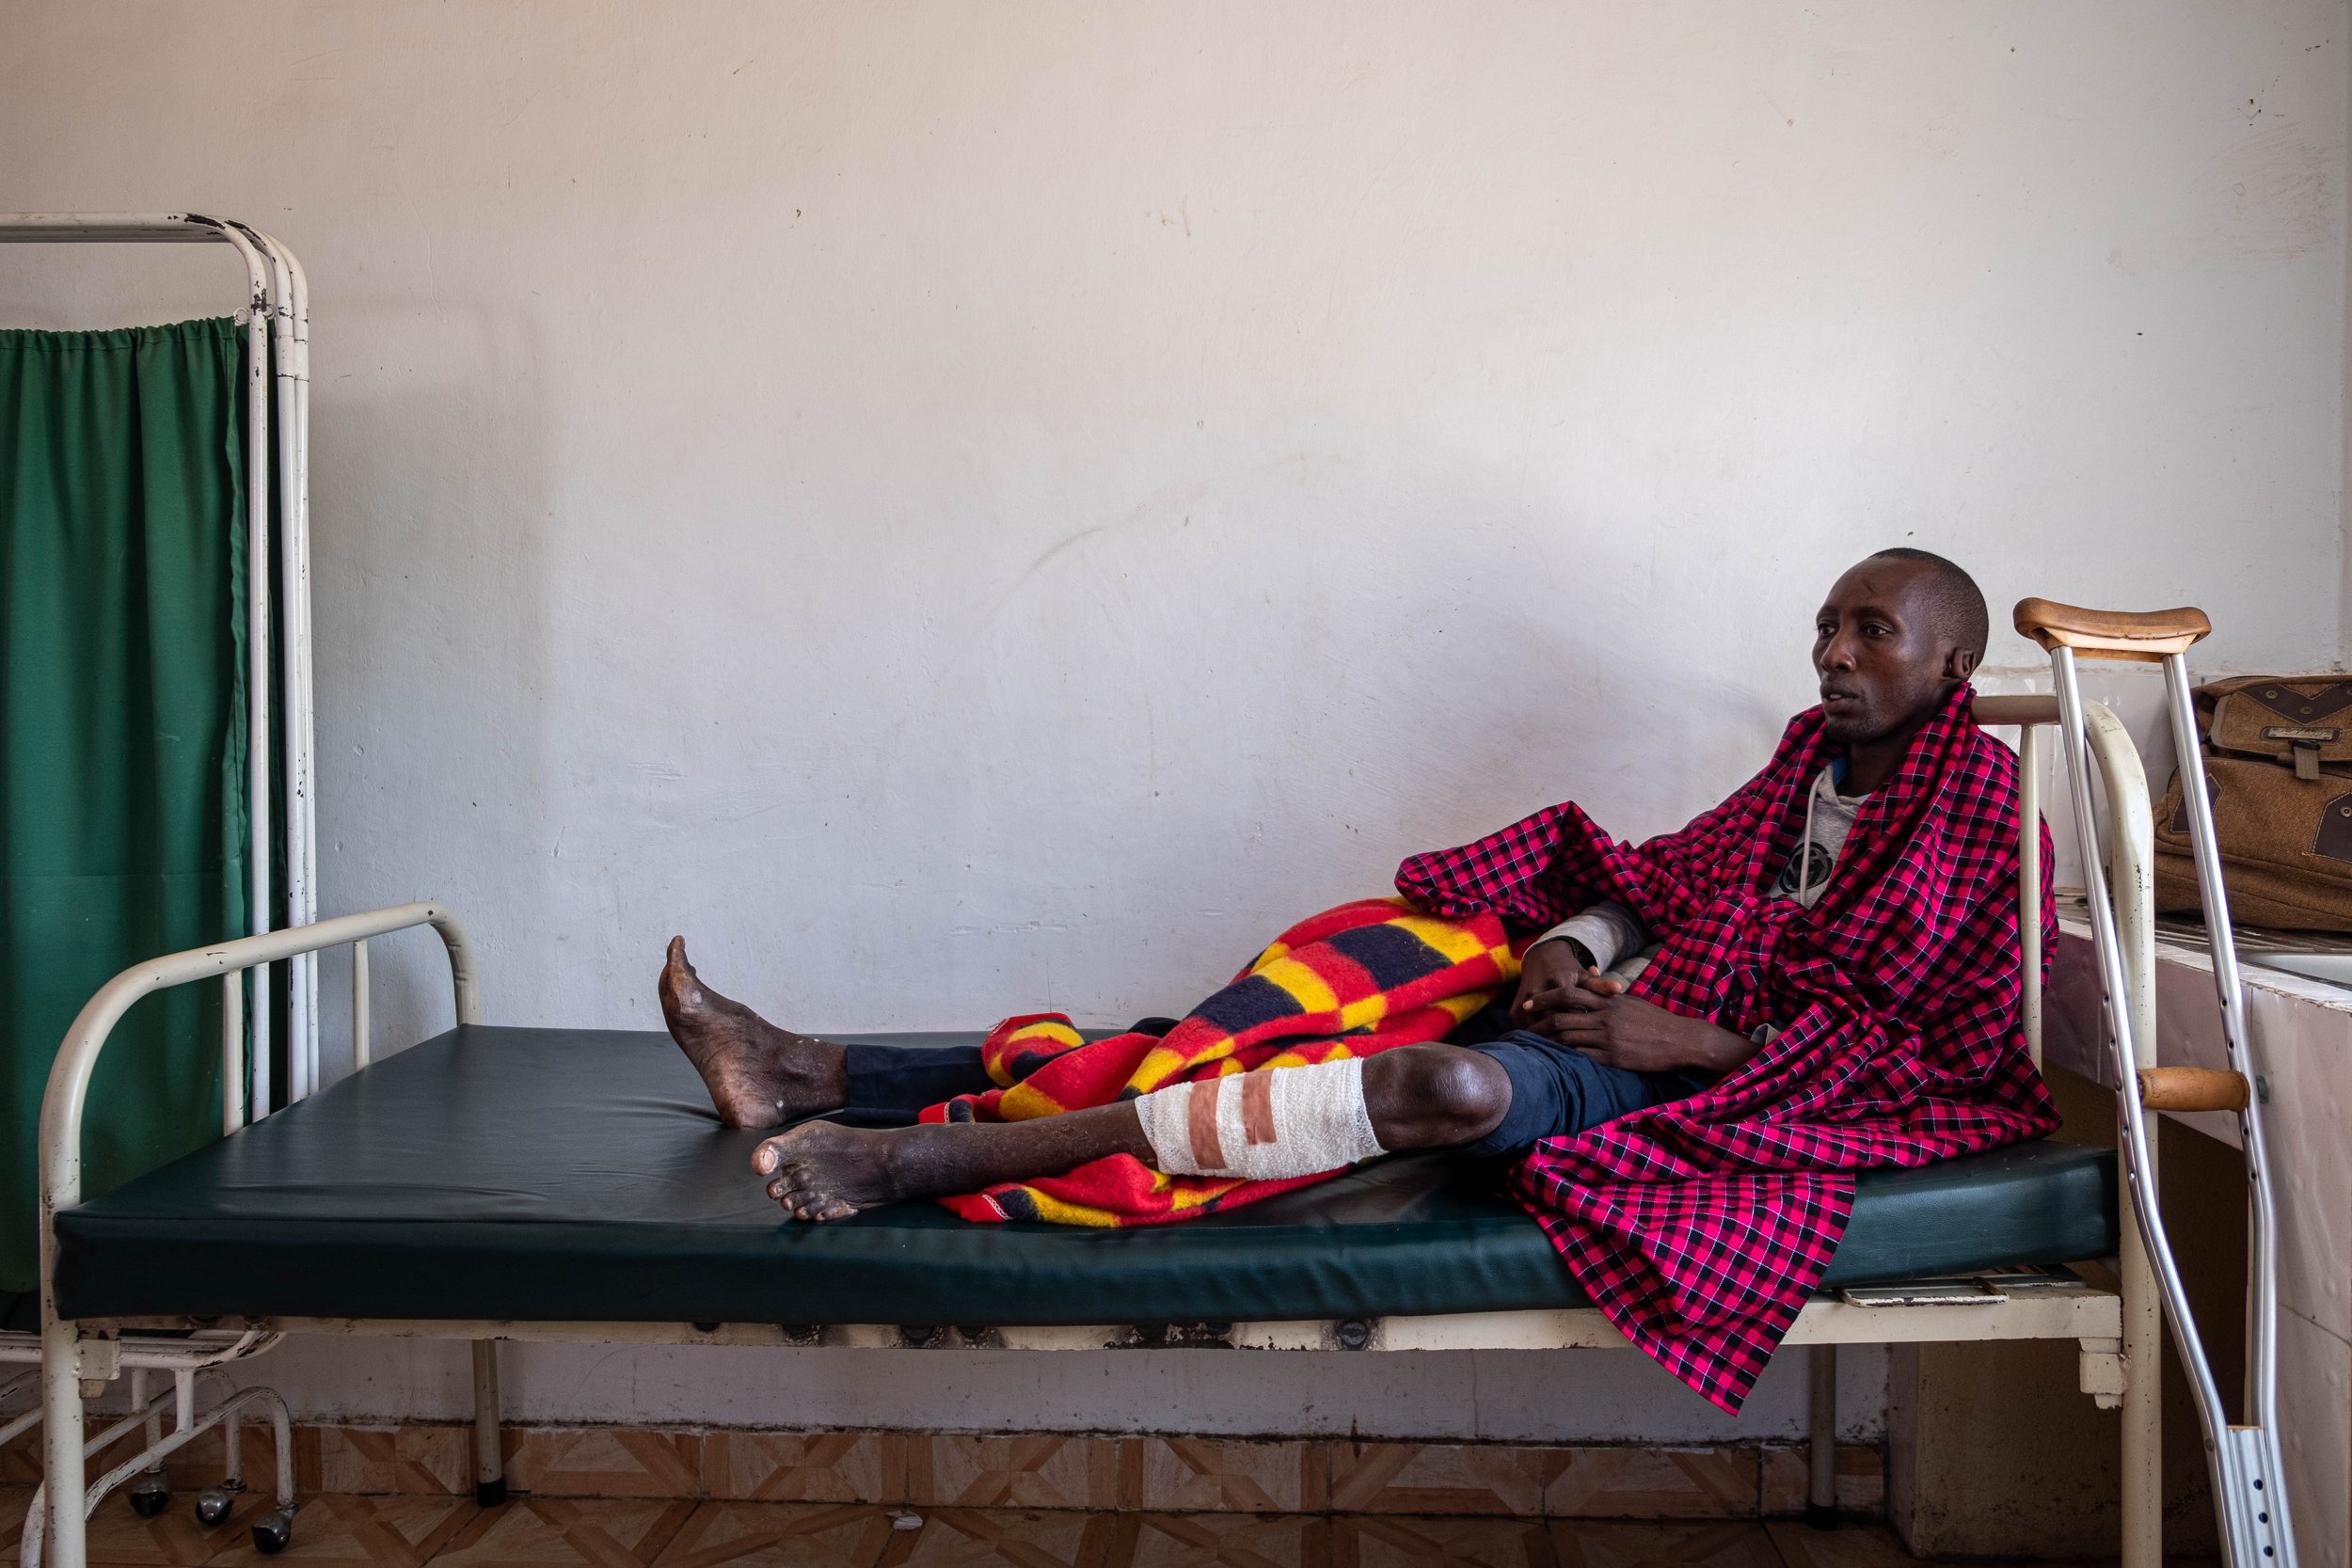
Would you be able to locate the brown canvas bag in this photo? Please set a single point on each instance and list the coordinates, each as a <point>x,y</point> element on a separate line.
<point>2279,767</point>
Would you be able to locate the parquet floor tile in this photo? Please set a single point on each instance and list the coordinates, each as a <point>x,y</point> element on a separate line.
<point>568,1533</point>
<point>600,1462</point>
<point>1218,1474</point>
<point>1388,1541</point>
<point>1012,1538</point>
<point>1653,1483</point>
<point>1233,1541</point>
<point>1042,1471</point>
<point>426,1460</point>
<point>1615,1544</point>
<point>1848,1546</point>
<point>806,1467</point>
<point>1868,1545</point>
<point>121,1539</point>
<point>1441,1478</point>
<point>779,1535</point>
<point>14,1501</point>
<point>346,1531</point>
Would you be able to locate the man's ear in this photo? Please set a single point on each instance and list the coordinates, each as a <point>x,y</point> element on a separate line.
<point>1959,664</point>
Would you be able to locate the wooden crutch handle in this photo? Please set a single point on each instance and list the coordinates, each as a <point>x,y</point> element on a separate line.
<point>2110,633</point>
<point>2028,708</point>
<point>2147,635</point>
<point>2191,1088</point>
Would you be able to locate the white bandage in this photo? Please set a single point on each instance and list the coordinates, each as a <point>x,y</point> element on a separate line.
<point>1278,1122</point>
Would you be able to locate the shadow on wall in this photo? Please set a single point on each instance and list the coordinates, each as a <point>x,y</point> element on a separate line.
<point>434,532</point>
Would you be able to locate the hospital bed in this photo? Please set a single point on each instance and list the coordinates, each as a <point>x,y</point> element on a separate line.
<point>499,1183</point>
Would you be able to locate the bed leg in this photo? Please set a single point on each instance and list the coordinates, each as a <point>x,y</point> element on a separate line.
<point>1821,1501</point>
<point>61,1431</point>
<point>489,1462</point>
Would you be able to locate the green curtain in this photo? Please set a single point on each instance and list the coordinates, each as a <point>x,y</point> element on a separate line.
<point>123,734</point>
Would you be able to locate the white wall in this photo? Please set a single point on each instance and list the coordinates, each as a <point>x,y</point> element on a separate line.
<point>963,508</point>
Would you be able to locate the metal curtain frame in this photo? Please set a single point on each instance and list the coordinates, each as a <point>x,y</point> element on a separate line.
<point>2116,1330</point>
<point>277,338</point>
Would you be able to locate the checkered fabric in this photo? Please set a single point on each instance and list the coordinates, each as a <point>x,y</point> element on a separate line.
<point>1699,1228</point>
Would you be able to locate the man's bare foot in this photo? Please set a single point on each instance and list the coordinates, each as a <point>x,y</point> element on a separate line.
<point>825,1171</point>
<point>758,1075</point>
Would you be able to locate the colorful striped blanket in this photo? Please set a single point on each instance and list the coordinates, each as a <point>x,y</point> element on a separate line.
<point>1365,977</point>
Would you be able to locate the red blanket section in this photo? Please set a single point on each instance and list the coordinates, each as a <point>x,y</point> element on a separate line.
<point>1362,978</point>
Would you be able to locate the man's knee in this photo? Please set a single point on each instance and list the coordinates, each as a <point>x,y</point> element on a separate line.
<point>1428,1096</point>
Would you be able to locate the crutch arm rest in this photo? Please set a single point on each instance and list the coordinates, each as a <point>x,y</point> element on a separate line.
<point>2029,707</point>
<point>2191,1088</point>
<point>2146,635</point>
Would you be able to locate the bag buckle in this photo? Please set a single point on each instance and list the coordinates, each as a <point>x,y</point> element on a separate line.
<point>2305,744</point>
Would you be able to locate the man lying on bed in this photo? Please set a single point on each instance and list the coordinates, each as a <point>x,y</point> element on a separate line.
<point>1894,641</point>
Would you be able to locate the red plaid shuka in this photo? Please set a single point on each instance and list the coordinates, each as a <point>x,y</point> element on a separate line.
<point>1362,978</point>
<point>1700,1228</point>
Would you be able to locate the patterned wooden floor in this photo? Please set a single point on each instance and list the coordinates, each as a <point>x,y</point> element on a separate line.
<point>340,1530</point>
<point>1050,1471</point>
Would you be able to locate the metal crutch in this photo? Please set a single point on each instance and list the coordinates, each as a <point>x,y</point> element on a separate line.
<point>2248,1484</point>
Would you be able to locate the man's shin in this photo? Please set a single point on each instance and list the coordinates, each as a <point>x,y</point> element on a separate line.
<point>1264,1125</point>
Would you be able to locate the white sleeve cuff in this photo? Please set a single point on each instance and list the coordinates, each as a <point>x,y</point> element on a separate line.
<point>1608,931</point>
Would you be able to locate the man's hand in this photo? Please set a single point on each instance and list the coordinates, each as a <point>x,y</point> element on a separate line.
<point>1641,1036</point>
<point>1549,971</point>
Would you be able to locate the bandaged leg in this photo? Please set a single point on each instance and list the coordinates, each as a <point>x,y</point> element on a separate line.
<point>1271,1123</point>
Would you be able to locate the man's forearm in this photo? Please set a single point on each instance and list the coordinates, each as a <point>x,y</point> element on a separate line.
<point>1720,1050</point>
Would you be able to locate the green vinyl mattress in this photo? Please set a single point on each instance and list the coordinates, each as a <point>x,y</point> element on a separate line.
<point>579,1175</point>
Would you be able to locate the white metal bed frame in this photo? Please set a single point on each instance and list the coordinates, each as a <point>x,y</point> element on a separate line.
<point>2117,1330</point>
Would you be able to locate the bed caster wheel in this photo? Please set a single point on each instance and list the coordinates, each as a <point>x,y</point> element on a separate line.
<point>213,1505</point>
<point>150,1494</point>
<point>273,1531</point>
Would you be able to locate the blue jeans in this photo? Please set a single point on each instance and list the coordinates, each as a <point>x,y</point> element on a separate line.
<point>1557,1089</point>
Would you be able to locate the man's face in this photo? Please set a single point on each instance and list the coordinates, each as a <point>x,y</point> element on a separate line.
<point>1882,661</point>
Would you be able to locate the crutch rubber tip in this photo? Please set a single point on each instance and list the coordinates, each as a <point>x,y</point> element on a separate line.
<point>490,1493</point>
<point>1820,1515</point>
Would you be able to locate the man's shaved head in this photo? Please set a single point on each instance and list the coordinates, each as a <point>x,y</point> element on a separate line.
<point>1899,630</point>
<point>1950,596</point>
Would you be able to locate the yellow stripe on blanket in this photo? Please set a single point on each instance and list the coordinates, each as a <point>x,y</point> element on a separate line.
<point>1313,993</point>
